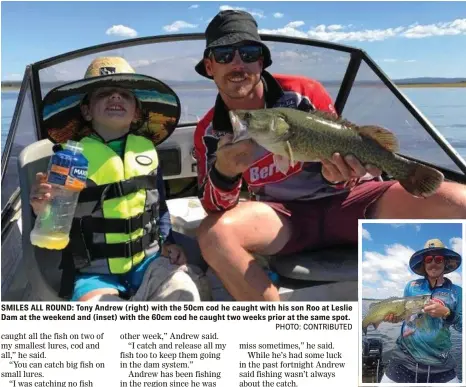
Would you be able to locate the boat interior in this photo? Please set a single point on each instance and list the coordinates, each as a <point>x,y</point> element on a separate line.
<point>362,93</point>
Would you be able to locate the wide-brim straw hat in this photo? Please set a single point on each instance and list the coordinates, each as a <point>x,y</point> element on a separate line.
<point>158,103</point>
<point>228,28</point>
<point>434,247</point>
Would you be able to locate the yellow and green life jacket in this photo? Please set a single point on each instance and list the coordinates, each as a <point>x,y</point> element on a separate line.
<point>116,222</point>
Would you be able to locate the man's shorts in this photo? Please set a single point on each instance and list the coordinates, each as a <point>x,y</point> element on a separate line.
<point>331,220</point>
<point>127,284</point>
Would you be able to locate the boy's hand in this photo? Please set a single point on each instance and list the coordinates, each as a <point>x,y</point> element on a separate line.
<point>40,193</point>
<point>175,253</point>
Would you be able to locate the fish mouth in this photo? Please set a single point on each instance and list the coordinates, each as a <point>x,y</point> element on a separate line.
<point>240,129</point>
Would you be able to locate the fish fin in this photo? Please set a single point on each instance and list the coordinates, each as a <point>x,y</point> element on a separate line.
<point>380,302</point>
<point>333,118</point>
<point>382,136</point>
<point>422,181</point>
<point>289,151</point>
<point>282,163</point>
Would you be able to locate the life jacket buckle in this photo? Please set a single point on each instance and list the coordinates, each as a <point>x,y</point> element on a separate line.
<point>134,223</point>
<point>118,186</point>
<point>79,246</point>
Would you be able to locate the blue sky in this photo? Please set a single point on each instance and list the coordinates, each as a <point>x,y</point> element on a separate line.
<point>386,249</point>
<point>407,39</point>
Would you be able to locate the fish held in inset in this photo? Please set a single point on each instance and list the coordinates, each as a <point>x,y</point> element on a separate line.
<point>296,136</point>
<point>400,308</point>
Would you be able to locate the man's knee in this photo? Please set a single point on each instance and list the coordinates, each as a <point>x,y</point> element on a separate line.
<point>449,201</point>
<point>214,229</point>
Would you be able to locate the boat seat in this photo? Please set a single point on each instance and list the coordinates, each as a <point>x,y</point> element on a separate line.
<point>338,263</point>
<point>42,264</point>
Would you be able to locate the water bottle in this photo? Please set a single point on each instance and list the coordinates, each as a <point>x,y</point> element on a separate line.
<point>67,174</point>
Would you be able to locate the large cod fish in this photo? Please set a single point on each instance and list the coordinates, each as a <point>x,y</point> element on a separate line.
<point>404,308</point>
<point>293,135</point>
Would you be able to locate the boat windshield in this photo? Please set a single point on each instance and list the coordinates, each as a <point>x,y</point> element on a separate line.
<point>370,101</point>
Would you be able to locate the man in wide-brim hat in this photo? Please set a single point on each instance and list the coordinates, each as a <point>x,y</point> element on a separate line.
<point>423,354</point>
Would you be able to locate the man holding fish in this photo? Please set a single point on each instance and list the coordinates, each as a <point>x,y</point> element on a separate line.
<point>299,200</point>
<point>422,354</point>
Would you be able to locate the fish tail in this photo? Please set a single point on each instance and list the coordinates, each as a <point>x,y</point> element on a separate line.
<point>422,181</point>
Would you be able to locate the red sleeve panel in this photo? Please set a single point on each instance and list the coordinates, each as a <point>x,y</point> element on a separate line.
<point>311,89</point>
<point>215,191</point>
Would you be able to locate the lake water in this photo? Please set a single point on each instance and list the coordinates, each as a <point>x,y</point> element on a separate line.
<point>444,107</point>
<point>388,333</point>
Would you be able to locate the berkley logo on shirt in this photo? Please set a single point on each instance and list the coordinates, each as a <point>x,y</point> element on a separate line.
<point>264,171</point>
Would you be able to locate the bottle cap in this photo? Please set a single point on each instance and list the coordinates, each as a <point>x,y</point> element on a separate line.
<point>74,146</point>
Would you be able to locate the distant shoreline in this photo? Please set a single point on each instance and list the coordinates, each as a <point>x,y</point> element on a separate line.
<point>10,88</point>
<point>408,85</point>
<point>402,85</point>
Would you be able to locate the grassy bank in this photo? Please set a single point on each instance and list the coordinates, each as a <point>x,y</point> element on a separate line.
<point>10,88</point>
<point>457,84</point>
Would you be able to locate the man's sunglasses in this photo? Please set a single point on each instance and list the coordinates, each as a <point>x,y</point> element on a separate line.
<point>435,258</point>
<point>248,53</point>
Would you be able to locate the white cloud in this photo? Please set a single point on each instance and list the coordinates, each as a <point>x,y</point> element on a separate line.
<point>141,63</point>
<point>335,27</point>
<point>178,25</point>
<point>295,24</point>
<point>288,31</point>
<point>388,272</point>
<point>338,32</point>
<point>121,30</point>
<point>256,13</point>
<point>393,60</point>
<point>386,275</point>
<point>194,6</point>
<point>323,33</point>
<point>456,27</point>
<point>278,15</point>
<point>366,234</point>
<point>457,245</point>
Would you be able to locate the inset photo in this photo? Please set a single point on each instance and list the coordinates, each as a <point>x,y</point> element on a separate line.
<point>411,301</point>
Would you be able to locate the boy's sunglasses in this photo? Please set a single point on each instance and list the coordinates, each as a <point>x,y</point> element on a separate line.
<point>248,53</point>
<point>435,258</point>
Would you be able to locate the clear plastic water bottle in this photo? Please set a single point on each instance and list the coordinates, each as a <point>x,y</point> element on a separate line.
<point>67,174</point>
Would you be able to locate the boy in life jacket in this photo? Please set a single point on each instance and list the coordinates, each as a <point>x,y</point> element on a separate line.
<point>121,226</point>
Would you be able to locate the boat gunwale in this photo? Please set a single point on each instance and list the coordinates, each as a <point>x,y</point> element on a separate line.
<point>357,56</point>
